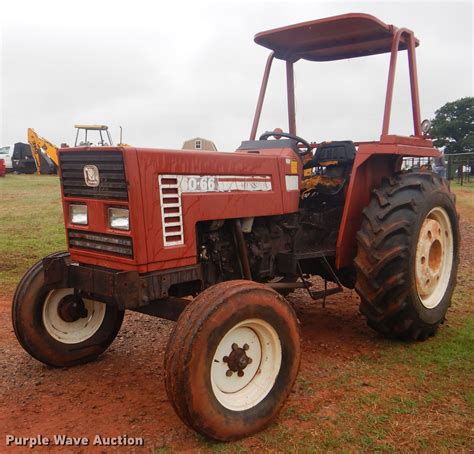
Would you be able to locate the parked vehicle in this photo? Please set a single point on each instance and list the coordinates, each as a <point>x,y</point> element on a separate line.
<point>18,158</point>
<point>6,153</point>
<point>22,159</point>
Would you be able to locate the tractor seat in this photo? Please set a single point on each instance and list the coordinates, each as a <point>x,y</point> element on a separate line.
<point>332,154</point>
<point>331,162</point>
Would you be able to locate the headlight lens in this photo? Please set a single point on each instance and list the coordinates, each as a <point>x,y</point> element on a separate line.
<point>119,218</point>
<point>78,214</point>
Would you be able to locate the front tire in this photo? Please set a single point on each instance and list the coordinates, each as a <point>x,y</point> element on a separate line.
<point>58,329</point>
<point>408,254</point>
<point>232,359</point>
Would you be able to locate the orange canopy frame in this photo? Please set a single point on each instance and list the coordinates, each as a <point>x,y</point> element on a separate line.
<point>332,38</point>
<point>335,38</point>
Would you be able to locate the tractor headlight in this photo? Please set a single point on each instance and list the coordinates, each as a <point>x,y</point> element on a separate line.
<point>119,218</point>
<point>78,214</point>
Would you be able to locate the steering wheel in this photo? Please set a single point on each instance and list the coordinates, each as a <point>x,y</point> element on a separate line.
<point>297,139</point>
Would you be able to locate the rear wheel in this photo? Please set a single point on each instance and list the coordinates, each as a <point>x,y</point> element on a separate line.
<point>408,253</point>
<point>57,327</point>
<point>232,359</point>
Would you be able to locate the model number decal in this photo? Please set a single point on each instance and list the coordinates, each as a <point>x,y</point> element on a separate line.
<point>223,183</point>
<point>198,184</point>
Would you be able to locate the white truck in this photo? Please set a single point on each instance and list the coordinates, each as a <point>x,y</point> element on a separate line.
<point>6,154</point>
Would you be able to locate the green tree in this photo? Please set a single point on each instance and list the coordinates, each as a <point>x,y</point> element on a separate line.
<point>453,126</point>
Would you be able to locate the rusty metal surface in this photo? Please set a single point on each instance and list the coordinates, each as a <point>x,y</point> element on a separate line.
<point>55,271</point>
<point>415,97</point>
<point>285,285</point>
<point>261,96</point>
<point>332,38</point>
<point>373,162</point>
<point>127,289</point>
<point>242,246</point>
<point>169,308</point>
<point>290,93</point>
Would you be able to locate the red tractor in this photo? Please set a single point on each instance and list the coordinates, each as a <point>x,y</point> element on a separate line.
<point>148,229</point>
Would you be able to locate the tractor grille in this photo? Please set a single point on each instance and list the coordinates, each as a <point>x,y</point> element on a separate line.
<point>112,185</point>
<point>115,244</point>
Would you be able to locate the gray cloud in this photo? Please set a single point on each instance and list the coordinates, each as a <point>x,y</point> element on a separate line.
<point>170,73</point>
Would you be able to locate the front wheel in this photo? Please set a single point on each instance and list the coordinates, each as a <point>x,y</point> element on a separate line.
<point>232,359</point>
<point>408,253</point>
<point>57,327</point>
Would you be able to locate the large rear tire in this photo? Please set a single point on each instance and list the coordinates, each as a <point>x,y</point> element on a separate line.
<point>408,254</point>
<point>57,328</point>
<point>232,359</point>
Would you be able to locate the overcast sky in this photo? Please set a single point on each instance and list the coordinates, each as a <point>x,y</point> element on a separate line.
<point>169,71</point>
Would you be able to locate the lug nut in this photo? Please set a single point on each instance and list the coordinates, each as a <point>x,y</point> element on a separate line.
<point>229,373</point>
<point>240,373</point>
<point>225,359</point>
<point>235,346</point>
<point>246,347</point>
<point>249,360</point>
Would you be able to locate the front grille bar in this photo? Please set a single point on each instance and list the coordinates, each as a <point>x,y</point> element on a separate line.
<point>113,183</point>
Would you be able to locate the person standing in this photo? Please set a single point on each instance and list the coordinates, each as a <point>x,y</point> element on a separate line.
<point>439,165</point>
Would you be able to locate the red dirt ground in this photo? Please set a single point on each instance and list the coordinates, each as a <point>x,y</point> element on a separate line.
<point>123,391</point>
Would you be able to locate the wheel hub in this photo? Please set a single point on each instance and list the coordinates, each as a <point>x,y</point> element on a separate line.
<point>70,319</point>
<point>245,365</point>
<point>430,252</point>
<point>238,360</point>
<point>434,257</point>
<point>71,308</point>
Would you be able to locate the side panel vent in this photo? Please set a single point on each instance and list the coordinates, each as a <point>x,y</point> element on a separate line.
<point>171,211</point>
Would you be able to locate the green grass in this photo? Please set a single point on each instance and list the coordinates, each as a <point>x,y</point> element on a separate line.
<point>467,186</point>
<point>422,400</point>
<point>31,224</point>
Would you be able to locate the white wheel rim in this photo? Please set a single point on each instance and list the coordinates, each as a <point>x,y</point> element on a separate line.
<point>239,393</point>
<point>76,331</point>
<point>434,257</point>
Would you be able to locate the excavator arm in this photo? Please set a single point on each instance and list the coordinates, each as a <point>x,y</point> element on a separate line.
<point>40,146</point>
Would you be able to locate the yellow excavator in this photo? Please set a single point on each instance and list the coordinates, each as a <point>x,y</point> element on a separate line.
<point>44,153</point>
